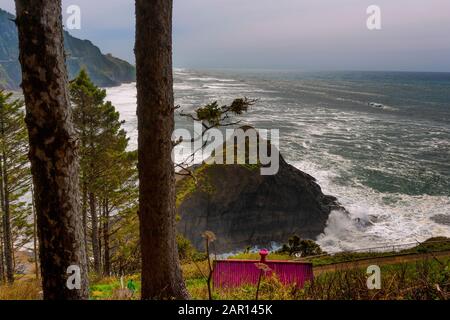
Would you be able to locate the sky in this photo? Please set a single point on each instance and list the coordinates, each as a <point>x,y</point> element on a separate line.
<point>283,34</point>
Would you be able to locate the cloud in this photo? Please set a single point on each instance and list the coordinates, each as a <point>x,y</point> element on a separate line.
<point>305,34</point>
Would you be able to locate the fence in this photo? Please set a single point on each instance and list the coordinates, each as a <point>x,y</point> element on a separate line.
<point>394,248</point>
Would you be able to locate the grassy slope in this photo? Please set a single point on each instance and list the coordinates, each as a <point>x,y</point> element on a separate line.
<point>432,245</point>
<point>409,280</point>
<point>427,279</point>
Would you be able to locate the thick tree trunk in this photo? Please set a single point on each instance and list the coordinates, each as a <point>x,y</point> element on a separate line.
<point>7,239</point>
<point>161,272</point>
<point>53,147</point>
<point>107,259</point>
<point>95,234</point>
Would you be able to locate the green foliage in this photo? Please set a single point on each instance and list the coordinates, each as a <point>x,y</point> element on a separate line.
<point>240,106</point>
<point>423,280</point>
<point>108,172</point>
<point>187,252</point>
<point>212,116</point>
<point>126,256</point>
<point>211,113</point>
<point>15,171</point>
<point>216,115</point>
<point>431,245</point>
<point>110,288</point>
<point>303,247</point>
<point>256,256</point>
<point>188,185</point>
<point>271,288</point>
<point>104,69</point>
<point>185,248</point>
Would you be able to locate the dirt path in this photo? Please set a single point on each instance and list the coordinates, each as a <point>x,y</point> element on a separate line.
<point>364,263</point>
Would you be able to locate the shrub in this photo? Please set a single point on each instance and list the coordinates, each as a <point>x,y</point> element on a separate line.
<point>304,247</point>
<point>187,252</point>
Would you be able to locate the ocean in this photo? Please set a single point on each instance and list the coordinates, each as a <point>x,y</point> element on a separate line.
<point>378,141</point>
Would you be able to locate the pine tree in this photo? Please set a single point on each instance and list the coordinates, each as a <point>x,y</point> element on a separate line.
<point>119,197</point>
<point>161,271</point>
<point>53,146</point>
<point>15,178</point>
<point>87,101</point>
<point>107,169</point>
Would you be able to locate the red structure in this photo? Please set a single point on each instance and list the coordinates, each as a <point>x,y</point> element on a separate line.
<point>234,273</point>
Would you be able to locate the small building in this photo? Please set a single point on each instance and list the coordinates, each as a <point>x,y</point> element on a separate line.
<point>234,273</point>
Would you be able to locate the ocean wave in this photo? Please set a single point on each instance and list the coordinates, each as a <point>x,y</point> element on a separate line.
<point>183,86</point>
<point>376,218</point>
<point>343,149</point>
<point>209,79</point>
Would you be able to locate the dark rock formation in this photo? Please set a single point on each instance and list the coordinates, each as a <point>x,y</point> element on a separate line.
<point>441,219</point>
<point>104,70</point>
<point>244,208</point>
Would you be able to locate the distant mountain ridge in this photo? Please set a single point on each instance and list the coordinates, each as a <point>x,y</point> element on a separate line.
<point>104,69</point>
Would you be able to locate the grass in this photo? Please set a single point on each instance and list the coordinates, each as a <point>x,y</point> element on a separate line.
<point>194,274</point>
<point>437,244</point>
<point>427,279</point>
<point>26,289</point>
<point>110,288</point>
<point>431,245</point>
<point>423,280</point>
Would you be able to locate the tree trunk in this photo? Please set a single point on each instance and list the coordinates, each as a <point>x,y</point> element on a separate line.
<point>53,147</point>
<point>6,221</point>
<point>94,235</point>
<point>35,239</point>
<point>107,260</point>
<point>2,260</point>
<point>100,235</point>
<point>84,219</point>
<point>161,272</point>
<point>2,265</point>
<point>7,242</point>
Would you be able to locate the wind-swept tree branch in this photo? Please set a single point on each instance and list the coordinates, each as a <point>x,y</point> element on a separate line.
<point>211,116</point>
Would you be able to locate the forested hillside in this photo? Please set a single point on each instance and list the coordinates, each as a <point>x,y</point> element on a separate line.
<point>104,69</point>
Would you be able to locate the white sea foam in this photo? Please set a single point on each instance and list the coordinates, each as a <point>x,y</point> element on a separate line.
<point>183,86</point>
<point>372,220</point>
<point>209,79</point>
<point>312,137</point>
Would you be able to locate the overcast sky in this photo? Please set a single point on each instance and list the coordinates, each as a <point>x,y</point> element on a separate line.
<point>278,34</point>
